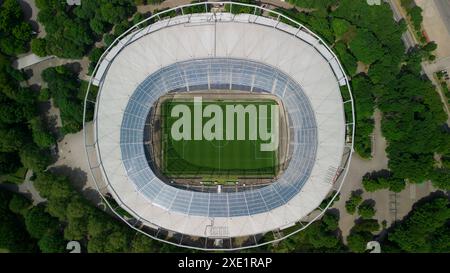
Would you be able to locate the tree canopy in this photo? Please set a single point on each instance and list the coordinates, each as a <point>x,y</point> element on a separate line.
<point>15,33</point>
<point>425,229</point>
<point>71,33</point>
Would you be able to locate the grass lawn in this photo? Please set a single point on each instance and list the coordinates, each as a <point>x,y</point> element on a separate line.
<point>14,178</point>
<point>211,159</point>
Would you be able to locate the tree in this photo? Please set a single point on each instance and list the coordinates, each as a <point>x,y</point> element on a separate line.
<point>331,221</point>
<point>142,244</point>
<point>39,222</point>
<point>368,225</point>
<point>95,55</point>
<point>10,113</point>
<point>357,242</point>
<point>75,229</point>
<point>57,208</point>
<point>364,105</point>
<point>64,87</point>
<point>10,12</point>
<point>9,163</point>
<point>117,242</point>
<point>366,47</point>
<point>114,14</point>
<point>15,32</point>
<point>138,17</point>
<point>429,47</point>
<point>366,210</point>
<point>340,27</point>
<point>34,158</point>
<point>39,47</point>
<point>97,25</point>
<point>108,39</point>
<point>361,234</point>
<point>77,208</point>
<point>52,242</point>
<point>415,14</point>
<point>19,204</point>
<point>12,139</point>
<point>322,238</point>
<point>41,136</point>
<point>424,228</point>
<point>347,59</point>
<point>353,202</point>
<point>22,31</point>
<point>441,178</point>
<point>96,244</point>
<point>99,224</point>
<point>13,236</point>
<point>382,179</point>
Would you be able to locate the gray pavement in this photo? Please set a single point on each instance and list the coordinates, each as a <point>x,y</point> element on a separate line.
<point>443,7</point>
<point>408,39</point>
<point>29,60</point>
<point>26,188</point>
<point>390,207</point>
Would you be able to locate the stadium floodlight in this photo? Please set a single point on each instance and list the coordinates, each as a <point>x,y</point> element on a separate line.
<point>222,191</point>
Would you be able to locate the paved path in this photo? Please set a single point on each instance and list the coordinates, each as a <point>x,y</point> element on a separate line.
<point>437,25</point>
<point>359,167</point>
<point>390,207</point>
<point>430,69</point>
<point>29,60</point>
<point>26,188</point>
<point>34,71</point>
<point>408,39</point>
<point>30,12</point>
<point>72,163</point>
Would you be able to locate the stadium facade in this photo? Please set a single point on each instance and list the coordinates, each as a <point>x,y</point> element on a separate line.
<point>201,47</point>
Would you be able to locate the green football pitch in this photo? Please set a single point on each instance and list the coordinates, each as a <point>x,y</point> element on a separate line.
<point>215,158</point>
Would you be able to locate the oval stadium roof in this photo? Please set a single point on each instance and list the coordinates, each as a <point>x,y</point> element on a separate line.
<point>263,54</point>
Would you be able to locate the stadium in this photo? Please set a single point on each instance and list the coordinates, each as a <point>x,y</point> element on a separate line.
<point>239,185</point>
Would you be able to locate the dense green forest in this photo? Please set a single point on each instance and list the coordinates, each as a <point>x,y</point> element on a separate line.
<point>321,236</point>
<point>368,43</point>
<point>24,136</point>
<point>64,217</point>
<point>414,122</point>
<point>67,92</point>
<point>73,30</point>
<point>426,228</point>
